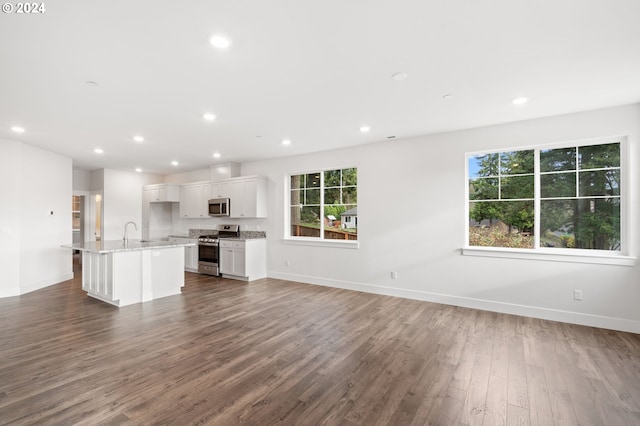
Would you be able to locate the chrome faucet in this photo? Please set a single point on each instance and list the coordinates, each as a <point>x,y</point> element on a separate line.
<point>125,238</point>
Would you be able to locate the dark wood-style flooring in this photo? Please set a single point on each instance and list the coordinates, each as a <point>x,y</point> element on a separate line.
<point>276,352</point>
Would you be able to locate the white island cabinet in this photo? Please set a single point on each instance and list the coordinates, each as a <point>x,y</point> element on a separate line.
<point>123,274</point>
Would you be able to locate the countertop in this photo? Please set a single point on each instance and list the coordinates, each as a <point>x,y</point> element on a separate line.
<point>244,235</point>
<point>113,246</point>
<point>241,238</point>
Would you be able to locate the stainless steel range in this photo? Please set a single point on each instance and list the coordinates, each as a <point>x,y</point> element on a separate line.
<point>208,255</point>
<point>209,248</point>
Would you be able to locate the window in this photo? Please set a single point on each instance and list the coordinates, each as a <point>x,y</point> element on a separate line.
<point>559,199</point>
<point>501,199</point>
<point>323,205</point>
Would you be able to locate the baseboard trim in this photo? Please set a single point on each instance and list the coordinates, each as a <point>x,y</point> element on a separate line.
<point>28,288</point>
<point>611,323</point>
<point>9,292</point>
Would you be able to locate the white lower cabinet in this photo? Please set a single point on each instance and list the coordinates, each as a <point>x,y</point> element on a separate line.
<point>243,259</point>
<point>232,258</point>
<point>190,253</point>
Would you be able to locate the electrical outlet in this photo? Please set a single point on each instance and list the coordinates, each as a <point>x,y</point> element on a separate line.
<point>286,263</point>
<point>577,294</point>
<point>394,275</point>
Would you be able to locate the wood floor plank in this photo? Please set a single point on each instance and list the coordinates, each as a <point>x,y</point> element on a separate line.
<point>517,416</point>
<point>475,405</point>
<point>278,352</point>
<point>518,394</point>
<point>555,376</point>
<point>539,404</point>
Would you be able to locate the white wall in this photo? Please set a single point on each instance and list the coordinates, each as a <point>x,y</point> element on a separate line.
<point>81,180</point>
<point>411,220</point>
<point>33,182</point>
<point>160,220</point>
<point>10,224</point>
<point>122,202</point>
<point>96,180</point>
<point>214,172</point>
<point>186,177</point>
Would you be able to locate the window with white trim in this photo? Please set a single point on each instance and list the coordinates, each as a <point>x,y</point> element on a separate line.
<point>561,198</point>
<point>323,205</point>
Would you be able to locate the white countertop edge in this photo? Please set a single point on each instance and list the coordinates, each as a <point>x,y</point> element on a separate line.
<point>223,238</point>
<point>115,246</point>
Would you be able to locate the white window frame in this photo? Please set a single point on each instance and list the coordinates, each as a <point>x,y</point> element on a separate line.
<point>622,257</point>
<point>313,241</point>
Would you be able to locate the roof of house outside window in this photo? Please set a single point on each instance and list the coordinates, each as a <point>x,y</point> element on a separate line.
<point>350,212</point>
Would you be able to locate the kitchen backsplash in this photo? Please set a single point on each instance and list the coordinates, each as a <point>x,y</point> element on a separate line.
<point>253,234</point>
<point>195,233</point>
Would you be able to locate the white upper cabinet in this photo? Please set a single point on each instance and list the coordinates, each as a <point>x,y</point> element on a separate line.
<point>194,200</point>
<point>162,192</point>
<point>249,197</point>
<point>220,189</point>
<point>236,197</point>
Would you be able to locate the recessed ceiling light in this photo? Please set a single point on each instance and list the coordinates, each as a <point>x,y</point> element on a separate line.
<point>98,151</point>
<point>220,41</point>
<point>174,163</point>
<point>399,76</point>
<point>91,83</point>
<point>216,155</point>
<point>391,137</point>
<point>138,169</point>
<point>447,96</point>
<point>286,142</point>
<point>18,129</point>
<point>138,138</point>
<point>520,101</point>
<point>209,117</point>
<point>365,129</point>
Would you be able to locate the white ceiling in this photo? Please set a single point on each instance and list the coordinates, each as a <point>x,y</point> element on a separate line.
<point>313,72</point>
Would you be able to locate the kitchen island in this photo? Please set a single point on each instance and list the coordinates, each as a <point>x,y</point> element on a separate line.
<point>137,271</point>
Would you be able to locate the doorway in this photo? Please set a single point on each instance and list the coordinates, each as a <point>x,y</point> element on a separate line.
<point>95,216</point>
<point>86,219</point>
<point>87,210</point>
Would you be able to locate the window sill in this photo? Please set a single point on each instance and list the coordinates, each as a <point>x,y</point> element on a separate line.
<point>541,254</point>
<point>321,243</point>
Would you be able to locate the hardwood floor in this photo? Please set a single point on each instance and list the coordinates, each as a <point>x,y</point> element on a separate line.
<point>278,352</point>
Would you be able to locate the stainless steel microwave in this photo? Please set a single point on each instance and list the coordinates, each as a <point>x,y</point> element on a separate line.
<point>219,207</point>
